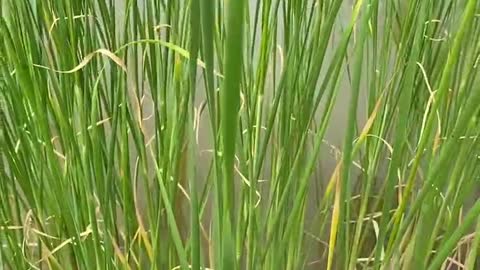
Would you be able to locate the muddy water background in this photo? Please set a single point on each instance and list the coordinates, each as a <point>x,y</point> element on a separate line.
<point>330,153</point>
<point>336,130</point>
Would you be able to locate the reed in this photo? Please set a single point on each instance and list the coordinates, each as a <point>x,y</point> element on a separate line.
<point>188,134</point>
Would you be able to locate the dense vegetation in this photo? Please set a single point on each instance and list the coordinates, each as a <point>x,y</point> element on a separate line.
<point>187,134</point>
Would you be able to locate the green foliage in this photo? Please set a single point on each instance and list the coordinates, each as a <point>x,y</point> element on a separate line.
<point>187,134</point>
